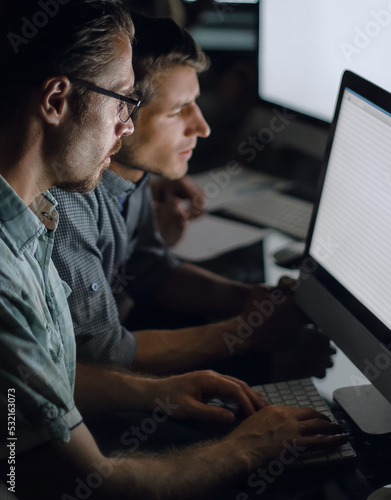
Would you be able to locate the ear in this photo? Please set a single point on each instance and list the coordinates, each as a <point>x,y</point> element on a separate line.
<point>54,99</point>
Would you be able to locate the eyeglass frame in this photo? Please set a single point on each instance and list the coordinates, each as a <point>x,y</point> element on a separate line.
<point>135,101</point>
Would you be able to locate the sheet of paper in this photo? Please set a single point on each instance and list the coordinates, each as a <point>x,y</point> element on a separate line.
<point>223,186</point>
<point>210,236</point>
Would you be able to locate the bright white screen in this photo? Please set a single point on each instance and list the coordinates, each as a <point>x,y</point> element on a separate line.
<point>305,45</point>
<point>352,237</point>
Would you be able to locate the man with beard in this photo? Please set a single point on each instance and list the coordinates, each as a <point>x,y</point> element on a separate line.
<point>107,242</point>
<point>56,133</point>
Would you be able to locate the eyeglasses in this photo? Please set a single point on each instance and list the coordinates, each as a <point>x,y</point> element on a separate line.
<point>128,104</point>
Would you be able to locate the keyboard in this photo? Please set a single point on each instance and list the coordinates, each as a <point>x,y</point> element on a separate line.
<point>272,208</point>
<point>302,392</point>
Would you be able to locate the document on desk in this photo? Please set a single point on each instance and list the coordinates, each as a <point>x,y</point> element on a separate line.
<point>226,185</point>
<point>255,197</point>
<point>210,236</point>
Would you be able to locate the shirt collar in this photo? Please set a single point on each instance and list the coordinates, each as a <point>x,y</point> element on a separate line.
<point>22,223</point>
<point>118,186</point>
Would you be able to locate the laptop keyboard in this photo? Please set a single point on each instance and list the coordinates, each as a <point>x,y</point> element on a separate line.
<point>302,392</point>
<point>271,208</point>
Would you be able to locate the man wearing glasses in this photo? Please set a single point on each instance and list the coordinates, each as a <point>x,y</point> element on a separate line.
<point>58,134</point>
<point>127,106</point>
<point>107,242</point>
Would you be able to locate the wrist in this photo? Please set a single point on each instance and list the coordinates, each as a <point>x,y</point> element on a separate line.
<point>239,334</point>
<point>243,458</point>
<point>142,392</point>
<point>247,456</point>
<point>243,293</point>
<point>234,296</point>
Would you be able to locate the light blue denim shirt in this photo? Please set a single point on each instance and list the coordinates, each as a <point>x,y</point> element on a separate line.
<point>37,345</point>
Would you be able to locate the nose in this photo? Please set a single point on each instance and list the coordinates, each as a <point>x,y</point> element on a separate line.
<point>125,128</point>
<point>197,125</point>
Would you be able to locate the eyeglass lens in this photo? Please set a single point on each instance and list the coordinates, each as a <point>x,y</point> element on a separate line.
<point>126,111</point>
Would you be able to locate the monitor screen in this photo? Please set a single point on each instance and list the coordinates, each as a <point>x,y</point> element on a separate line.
<point>346,274</point>
<point>357,194</point>
<point>305,46</point>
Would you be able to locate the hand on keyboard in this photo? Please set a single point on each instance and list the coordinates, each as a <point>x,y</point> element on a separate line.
<point>302,393</point>
<point>285,432</point>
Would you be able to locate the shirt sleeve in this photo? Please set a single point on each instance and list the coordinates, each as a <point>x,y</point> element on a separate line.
<point>151,262</point>
<point>36,398</point>
<point>79,253</point>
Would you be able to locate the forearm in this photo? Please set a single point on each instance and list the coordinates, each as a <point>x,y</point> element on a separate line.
<point>204,470</point>
<point>191,289</point>
<point>101,389</point>
<point>269,322</point>
<point>165,352</point>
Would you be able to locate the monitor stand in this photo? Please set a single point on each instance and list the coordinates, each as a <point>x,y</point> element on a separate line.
<point>366,407</point>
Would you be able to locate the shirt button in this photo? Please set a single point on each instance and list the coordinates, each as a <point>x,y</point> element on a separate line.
<point>94,287</point>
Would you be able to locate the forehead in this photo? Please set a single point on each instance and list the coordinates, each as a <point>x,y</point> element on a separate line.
<point>119,75</point>
<point>175,85</point>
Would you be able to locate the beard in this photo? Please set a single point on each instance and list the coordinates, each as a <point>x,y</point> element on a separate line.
<point>84,186</point>
<point>129,158</point>
<point>126,157</point>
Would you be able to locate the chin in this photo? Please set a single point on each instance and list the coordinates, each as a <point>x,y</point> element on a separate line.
<point>176,172</point>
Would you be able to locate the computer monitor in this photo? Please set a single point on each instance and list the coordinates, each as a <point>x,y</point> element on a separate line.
<point>306,45</point>
<point>345,277</point>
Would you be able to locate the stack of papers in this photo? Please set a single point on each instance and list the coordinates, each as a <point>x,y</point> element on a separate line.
<point>224,186</point>
<point>210,236</point>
